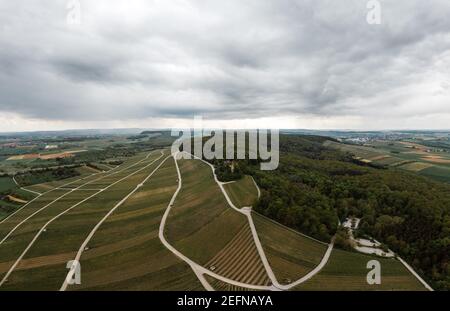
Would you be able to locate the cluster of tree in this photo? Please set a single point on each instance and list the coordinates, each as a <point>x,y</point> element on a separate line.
<point>112,162</point>
<point>342,239</point>
<point>100,155</point>
<point>227,170</point>
<point>315,187</point>
<point>137,137</point>
<point>6,208</point>
<point>36,177</point>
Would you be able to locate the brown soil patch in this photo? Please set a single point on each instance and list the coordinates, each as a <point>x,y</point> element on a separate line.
<point>30,156</point>
<point>380,157</point>
<point>23,157</point>
<point>43,157</point>
<point>414,145</point>
<point>436,159</point>
<point>56,156</point>
<point>14,199</point>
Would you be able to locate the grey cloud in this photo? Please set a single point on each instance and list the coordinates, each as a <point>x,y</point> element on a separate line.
<point>83,71</point>
<point>221,59</point>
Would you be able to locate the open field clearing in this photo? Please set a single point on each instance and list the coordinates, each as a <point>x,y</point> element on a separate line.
<point>389,161</point>
<point>346,271</point>
<point>436,159</point>
<point>392,161</point>
<point>243,192</point>
<point>412,157</point>
<point>52,156</point>
<point>45,155</point>
<point>240,261</point>
<point>290,254</point>
<point>73,220</point>
<point>16,200</point>
<point>360,151</point>
<point>414,146</point>
<point>437,172</point>
<point>379,158</point>
<point>201,223</point>
<point>415,166</point>
<point>6,183</point>
<point>126,253</point>
<point>23,157</point>
<point>61,155</point>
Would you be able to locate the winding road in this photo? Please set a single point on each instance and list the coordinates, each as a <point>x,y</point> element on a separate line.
<point>200,271</point>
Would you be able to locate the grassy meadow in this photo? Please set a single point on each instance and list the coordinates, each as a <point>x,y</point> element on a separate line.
<point>346,271</point>
<point>242,192</point>
<point>65,235</point>
<point>291,255</point>
<point>201,223</point>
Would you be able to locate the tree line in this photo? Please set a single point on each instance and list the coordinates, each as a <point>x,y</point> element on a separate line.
<point>315,187</point>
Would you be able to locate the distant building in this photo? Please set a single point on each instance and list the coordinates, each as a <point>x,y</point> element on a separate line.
<point>9,145</point>
<point>49,147</point>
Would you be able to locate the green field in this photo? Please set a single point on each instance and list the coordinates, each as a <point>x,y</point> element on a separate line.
<point>416,166</point>
<point>6,184</point>
<point>346,271</point>
<point>201,223</point>
<point>65,235</point>
<point>243,192</point>
<point>126,254</point>
<point>359,151</point>
<point>203,227</point>
<point>291,255</point>
<point>398,154</point>
<point>438,173</point>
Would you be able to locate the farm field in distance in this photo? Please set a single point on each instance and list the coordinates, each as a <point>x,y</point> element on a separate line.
<point>137,217</point>
<point>423,157</point>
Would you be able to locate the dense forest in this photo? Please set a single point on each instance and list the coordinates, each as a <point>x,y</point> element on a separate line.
<point>316,187</point>
<point>45,175</point>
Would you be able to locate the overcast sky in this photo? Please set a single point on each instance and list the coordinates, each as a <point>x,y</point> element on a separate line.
<point>287,64</point>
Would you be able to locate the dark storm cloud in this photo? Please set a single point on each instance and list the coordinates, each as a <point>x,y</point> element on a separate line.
<point>223,59</point>
<point>81,71</point>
